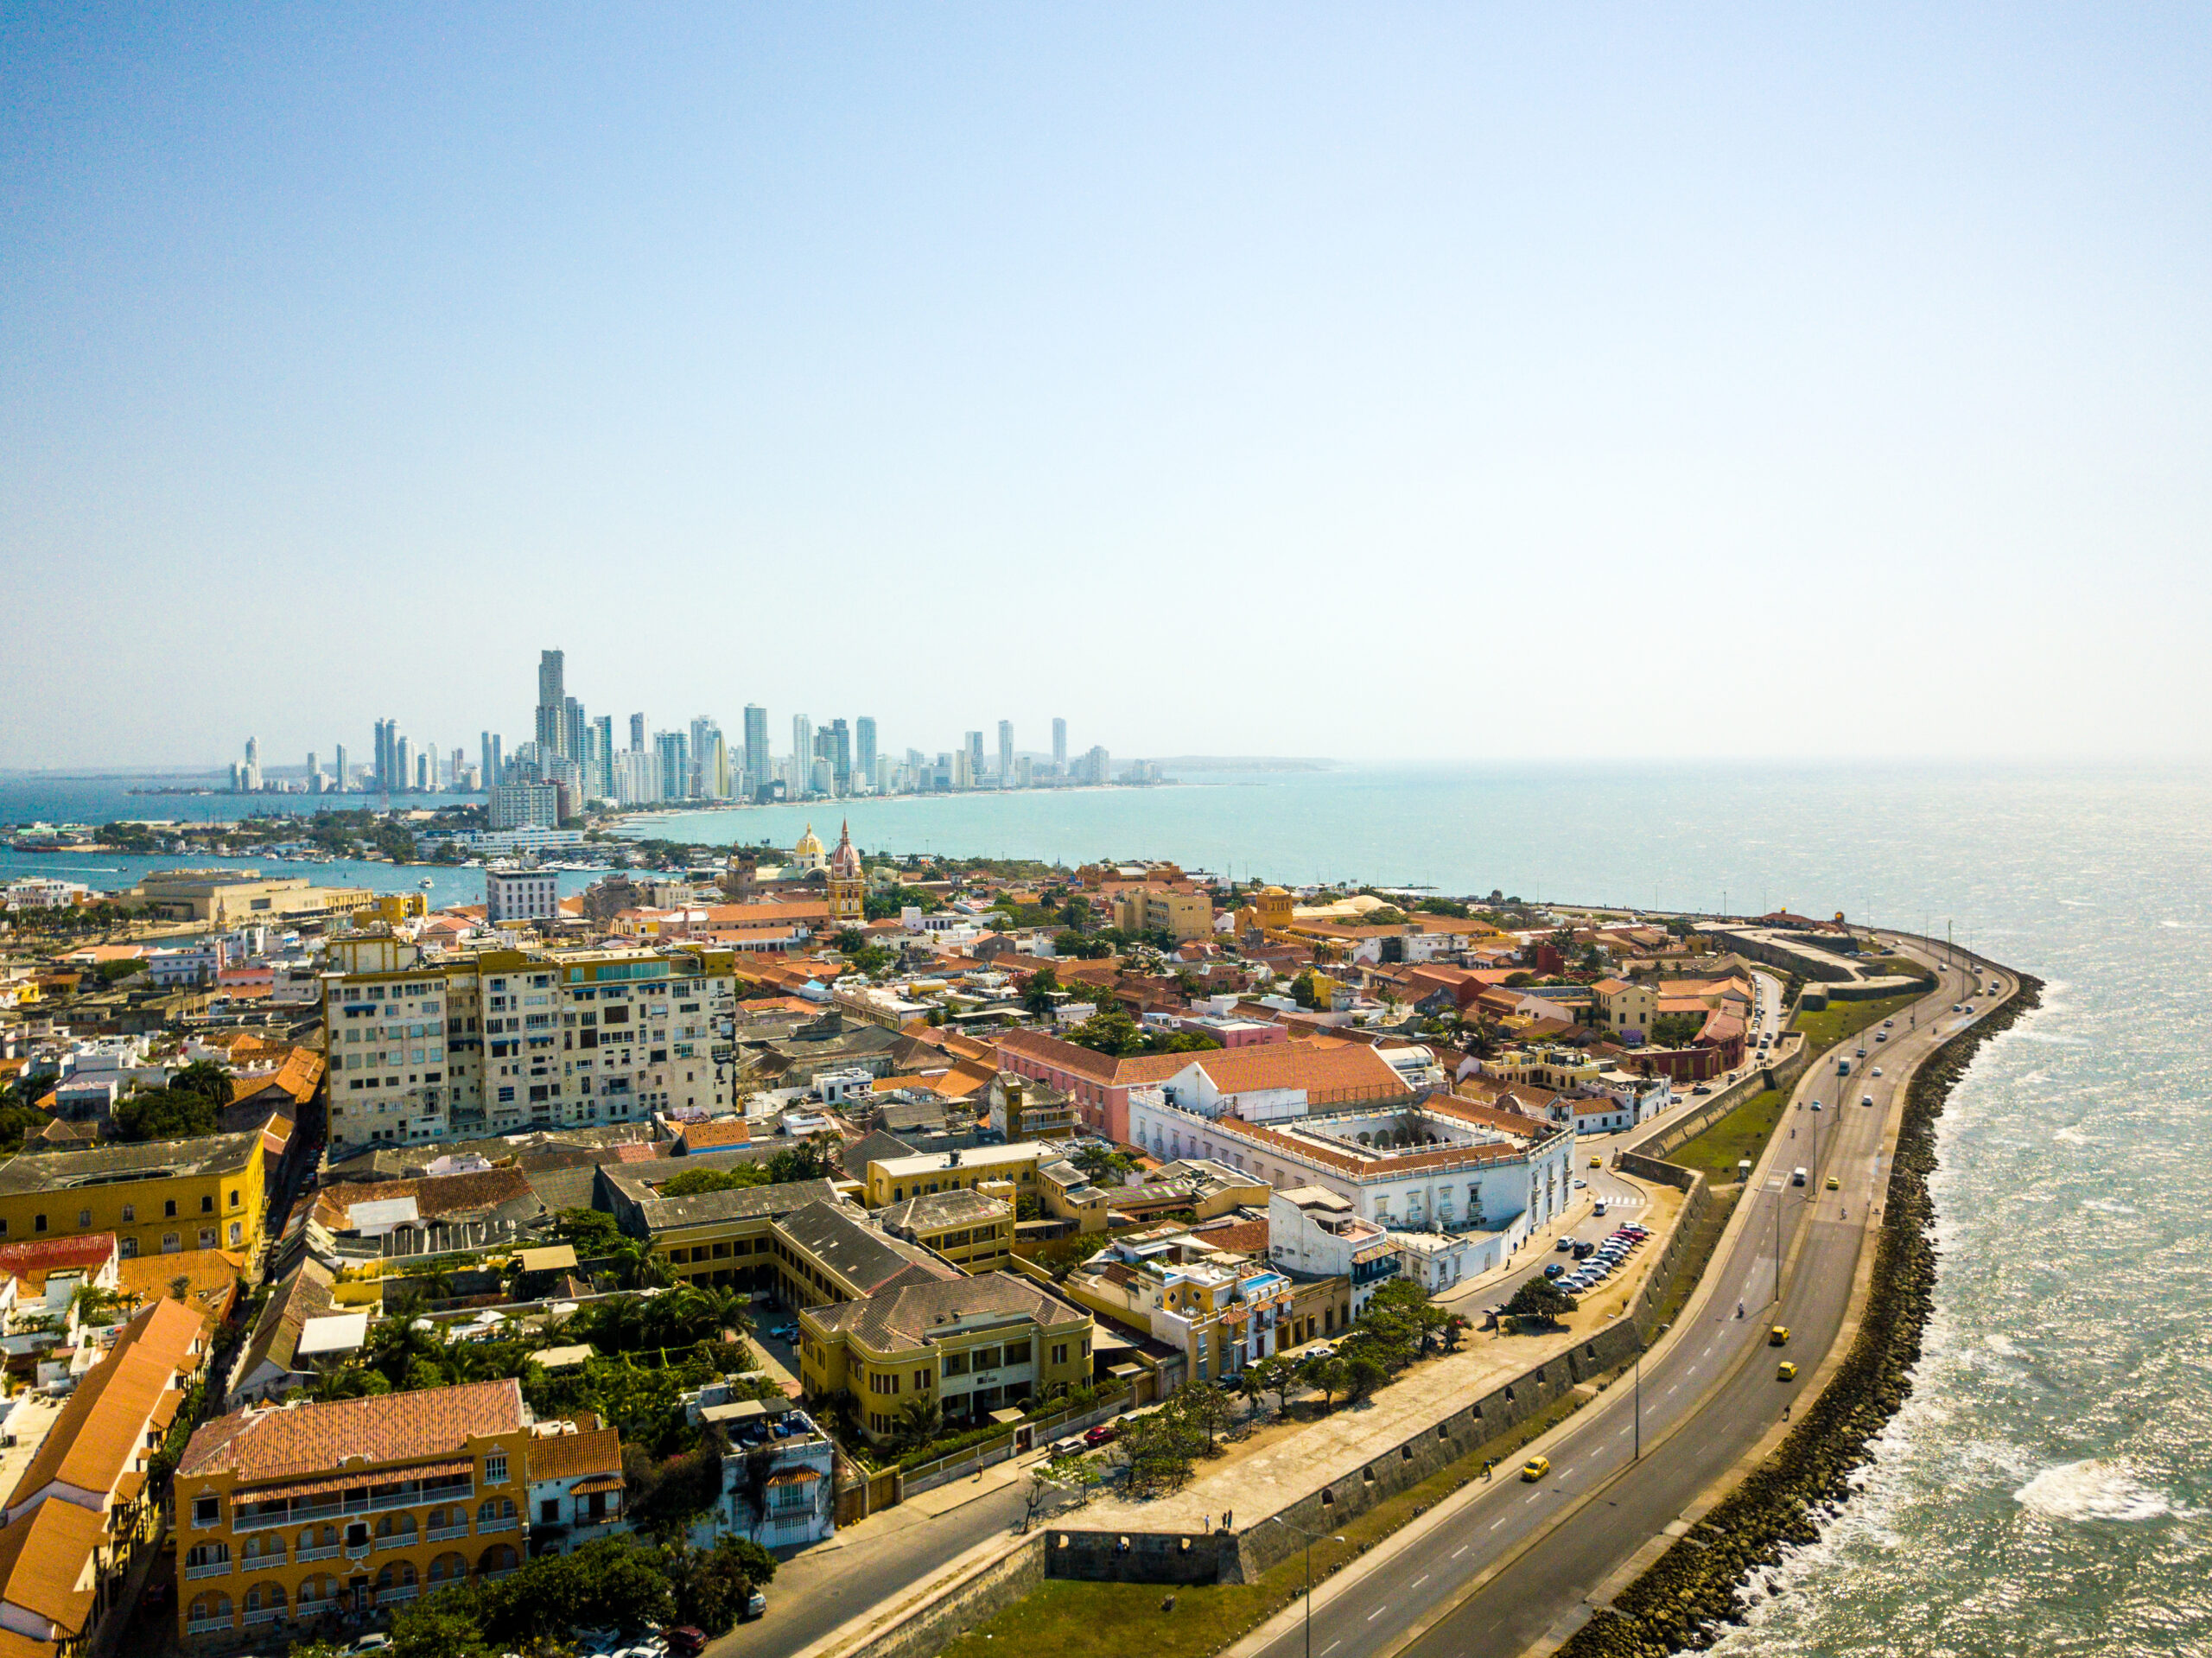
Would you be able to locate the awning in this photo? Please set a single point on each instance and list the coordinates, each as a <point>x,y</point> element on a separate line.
<point>597,1482</point>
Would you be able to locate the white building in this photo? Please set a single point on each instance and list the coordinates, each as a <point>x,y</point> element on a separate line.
<point>779,1485</point>
<point>1312,1233</point>
<point>520,895</point>
<point>1444,1165</point>
<point>37,892</point>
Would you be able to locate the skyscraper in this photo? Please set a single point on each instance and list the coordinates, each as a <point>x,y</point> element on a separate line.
<point>552,702</point>
<point>402,764</point>
<point>757,755</point>
<point>572,730</point>
<point>1005,753</point>
<point>380,757</point>
<point>675,764</point>
<point>802,752</point>
<point>864,749</point>
<point>603,752</point>
<point>637,733</point>
<point>841,755</point>
<point>973,746</point>
<point>252,775</point>
<point>1059,745</point>
<point>345,782</point>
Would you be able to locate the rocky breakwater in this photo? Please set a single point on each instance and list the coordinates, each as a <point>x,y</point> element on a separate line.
<point>1691,1590</point>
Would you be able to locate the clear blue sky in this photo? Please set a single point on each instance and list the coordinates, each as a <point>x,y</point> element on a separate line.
<point>1349,380</point>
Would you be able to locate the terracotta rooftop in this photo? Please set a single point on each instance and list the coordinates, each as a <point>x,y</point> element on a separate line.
<point>567,1456</point>
<point>401,1427</point>
<point>100,1435</point>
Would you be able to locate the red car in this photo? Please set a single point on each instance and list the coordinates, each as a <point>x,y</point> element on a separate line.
<point>1105,1433</point>
<point>685,1640</point>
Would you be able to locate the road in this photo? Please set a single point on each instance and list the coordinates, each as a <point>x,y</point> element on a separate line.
<point>1708,1392</point>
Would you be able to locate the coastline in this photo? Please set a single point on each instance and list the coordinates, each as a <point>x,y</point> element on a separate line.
<point>1692,1588</point>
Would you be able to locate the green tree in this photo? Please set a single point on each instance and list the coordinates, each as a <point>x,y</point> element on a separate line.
<point>694,1183</point>
<point>711,1585</point>
<point>428,1630</point>
<point>591,1233</point>
<point>1039,993</point>
<point>1329,1374</point>
<point>1363,1374</point>
<point>1275,1376</point>
<point>1109,1031</point>
<point>1306,989</point>
<point>1540,1301</point>
<point>919,1422</point>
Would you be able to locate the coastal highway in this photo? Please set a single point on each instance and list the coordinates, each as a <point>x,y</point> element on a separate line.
<point>1502,1564</point>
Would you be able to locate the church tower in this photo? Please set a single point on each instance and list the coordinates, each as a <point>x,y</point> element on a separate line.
<point>848,883</point>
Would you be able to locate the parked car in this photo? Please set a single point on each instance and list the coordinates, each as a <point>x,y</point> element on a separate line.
<point>1070,1446</point>
<point>1553,1269</point>
<point>685,1640</point>
<point>787,1333</point>
<point>370,1644</point>
<point>1564,1244</point>
<point>1105,1433</point>
<point>756,1605</point>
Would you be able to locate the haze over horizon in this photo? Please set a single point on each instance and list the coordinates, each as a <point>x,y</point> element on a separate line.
<point>1418,384</point>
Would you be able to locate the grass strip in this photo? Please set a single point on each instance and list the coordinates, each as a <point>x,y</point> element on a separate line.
<point>1072,1619</point>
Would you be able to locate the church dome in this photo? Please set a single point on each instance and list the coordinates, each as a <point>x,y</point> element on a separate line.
<point>846,860</point>
<point>809,845</point>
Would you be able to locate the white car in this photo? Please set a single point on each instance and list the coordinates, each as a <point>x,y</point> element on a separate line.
<point>1878,1071</point>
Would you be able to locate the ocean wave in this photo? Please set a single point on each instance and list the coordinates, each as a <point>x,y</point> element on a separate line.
<point>2023,1035</point>
<point>2070,1135</point>
<point>2094,1489</point>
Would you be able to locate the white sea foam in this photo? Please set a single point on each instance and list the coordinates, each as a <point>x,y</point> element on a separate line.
<point>2094,1489</point>
<point>2077,903</point>
<point>2050,1041</point>
<point>2070,1136</point>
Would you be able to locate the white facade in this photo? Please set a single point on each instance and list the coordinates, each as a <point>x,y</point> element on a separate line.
<point>1460,1174</point>
<point>513,895</point>
<point>1313,1233</point>
<point>37,892</point>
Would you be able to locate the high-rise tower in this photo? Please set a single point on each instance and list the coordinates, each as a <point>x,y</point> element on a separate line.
<point>1060,745</point>
<point>552,702</point>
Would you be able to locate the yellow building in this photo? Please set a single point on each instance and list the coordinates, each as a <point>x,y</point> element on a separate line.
<point>288,1513</point>
<point>892,1180</point>
<point>971,1229</point>
<point>162,1197</point>
<point>1626,1006</point>
<point>1145,909</point>
<point>225,898</point>
<point>389,909</point>
<point>974,1345</point>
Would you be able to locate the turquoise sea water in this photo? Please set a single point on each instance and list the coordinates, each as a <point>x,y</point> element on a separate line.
<point>2046,1489</point>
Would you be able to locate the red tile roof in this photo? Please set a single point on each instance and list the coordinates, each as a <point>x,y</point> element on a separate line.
<point>401,1427</point>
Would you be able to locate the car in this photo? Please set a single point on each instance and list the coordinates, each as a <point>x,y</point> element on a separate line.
<point>756,1605</point>
<point>1564,1244</point>
<point>603,1639</point>
<point>1816,1105</point>
<point>1536,1468</point>
<point>1597,1162</point>
<point>1580,1185</point>
<point>784,1332</point>
<point>1866,1099</point>
<point>1553,1269</point>
<point>1785,1371</point>
<point>1968,1008</point>
<point>370,1644</point>
<point>1834,1184</point>
<point>1070,1446</point>
<point>1584,1251</point>
<point>685,1640</point>
<point>1105,1433</point>
<point>1778,1337</point>
<point>1700,1089</point>
<point>1862,1051</point>
<point>1956,1006</point>
<point>1598,1208</point>
<point>1888,1023</point>
<point>1878,1071</point>
<point>1881,1036</point>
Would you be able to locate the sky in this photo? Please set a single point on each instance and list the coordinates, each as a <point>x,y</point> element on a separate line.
<point>1370,382</point>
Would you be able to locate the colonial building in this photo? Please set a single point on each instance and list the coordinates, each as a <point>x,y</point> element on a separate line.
<point>848,883</point>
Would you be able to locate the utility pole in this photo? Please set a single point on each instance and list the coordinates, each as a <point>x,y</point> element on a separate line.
<point>1777,1244</point>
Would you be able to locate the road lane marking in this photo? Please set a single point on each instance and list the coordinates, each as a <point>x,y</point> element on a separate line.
<point>1417,1582</point>
<point>1462,1549</point>
<point>1496,1523</point>
<point>1331,1646</point>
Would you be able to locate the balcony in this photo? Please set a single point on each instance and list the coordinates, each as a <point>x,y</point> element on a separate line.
<point>494,1577</point>
<point>398,1539</point>
<point>440,1533</point>
<point>327,1552</point>
<point>486,1528</point>
<point>212,1569</point>
<point>398,1592</point>
<point>265,1615</point>
<point>206,1625</point>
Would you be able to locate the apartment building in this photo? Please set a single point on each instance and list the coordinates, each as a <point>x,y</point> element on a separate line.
<point>1218,1309</point>
<point>81,1518</point>
<point>288,1512</point>
<point>505,1041</point>
<point>972,1230</point>
<point>162,1197</point>
<point>1152,908</point>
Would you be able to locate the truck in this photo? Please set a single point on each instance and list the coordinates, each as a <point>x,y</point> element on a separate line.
<point>1796,1177</point>
<point>1843,1067</point>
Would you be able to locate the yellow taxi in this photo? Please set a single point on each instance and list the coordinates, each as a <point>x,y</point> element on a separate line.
<point>1597,1162</point>
<point>1778,1337</point>
<point>1785,1371</point>
<point>1834,1184</point>
<point>1536,1468</point>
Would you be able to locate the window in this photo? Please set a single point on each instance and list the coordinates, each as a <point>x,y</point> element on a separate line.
<point>207,1510</point>
<point>128,1247</point>
<point>549,1510</point>
<point>206,1237</point>
<point>38,1222</point>
<point>207,1202</point>
<point>495,1468</point>
<point>171,1243</point>
<point>1017,1352</point>
<point>1059,1352</point>
<point>234,1199</point>
<point>169,1210</point>
<point>84,1217</point>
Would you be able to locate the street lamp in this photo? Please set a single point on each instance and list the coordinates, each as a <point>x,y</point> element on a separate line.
<point>1777,1246</point>
<point>1311,1537</point>
<point>1656,1335</point>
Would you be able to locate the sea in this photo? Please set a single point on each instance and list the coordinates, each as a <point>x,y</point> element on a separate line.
<point>2047,1489</point>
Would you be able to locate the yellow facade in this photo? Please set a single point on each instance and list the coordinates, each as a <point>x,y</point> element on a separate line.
<point>392,908</point>
<point>252,1555</point>
<point>161,1198</point>
<point>1038,1358</point>
<point>897,1178</point>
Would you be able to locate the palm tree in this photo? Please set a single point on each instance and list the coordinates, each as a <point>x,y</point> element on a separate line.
<point>636,1266</point>
<point>918,1423</point>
